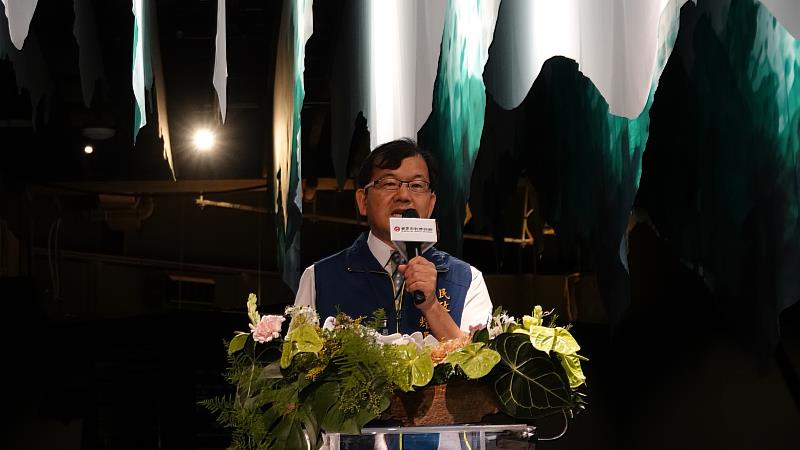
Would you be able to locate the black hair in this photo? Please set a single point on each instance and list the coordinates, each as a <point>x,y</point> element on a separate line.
<point>390,155</point>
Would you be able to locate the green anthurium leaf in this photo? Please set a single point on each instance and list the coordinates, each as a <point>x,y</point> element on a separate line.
<point>476,360</point>
<point>556,339</point>
<point>460,356</point>
<point>442,373</point>
<point>422,368</point>
<point>572,366</point>
<point>321,398</point>
<point>271,416</point>
<point>311,427</point>
<point>324,401</point>
<point>287,354</point>
<point>406,354</point>
<point>237,343</point>
<point>336,421</point>
<point>481,335</point>
<point>351,426</point>
<point>416,369</point>
<point>528,382</point>
<point>303,382</point>
<point>304,338</point>
<point>252,312</point>
<point>288,434</point>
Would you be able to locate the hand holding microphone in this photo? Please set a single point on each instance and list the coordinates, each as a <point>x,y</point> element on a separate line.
<point>420,274</point>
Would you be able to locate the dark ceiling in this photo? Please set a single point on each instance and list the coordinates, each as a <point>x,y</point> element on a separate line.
<point>49,147</point>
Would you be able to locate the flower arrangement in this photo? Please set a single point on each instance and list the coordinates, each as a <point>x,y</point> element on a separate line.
<point>337,377</point>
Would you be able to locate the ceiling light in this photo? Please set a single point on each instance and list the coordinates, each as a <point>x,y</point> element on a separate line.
<point>203,139</point>
<point>98,133</point>
<point>88,149</point>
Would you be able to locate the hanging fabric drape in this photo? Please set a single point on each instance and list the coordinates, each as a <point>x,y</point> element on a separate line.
<point>296,28</point>
<point>386,59</point>
<point>221,61</point>
<point>721,142</point>
<point>30,70</point>
<point>19,14</point>
<point>453,130</point>
<point>140,64</point>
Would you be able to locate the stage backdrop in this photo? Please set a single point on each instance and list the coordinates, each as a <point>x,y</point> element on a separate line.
<point>572,94</point>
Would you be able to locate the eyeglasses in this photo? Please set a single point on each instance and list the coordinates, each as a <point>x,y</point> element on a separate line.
<point>393,184</point>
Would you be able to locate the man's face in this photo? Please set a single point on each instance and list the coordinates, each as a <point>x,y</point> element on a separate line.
<point>379,204</point>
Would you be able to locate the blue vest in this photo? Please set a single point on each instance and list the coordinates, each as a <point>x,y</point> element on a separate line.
<point>356,282</point>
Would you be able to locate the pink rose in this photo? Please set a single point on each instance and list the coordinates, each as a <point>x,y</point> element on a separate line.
<point>268,328</point>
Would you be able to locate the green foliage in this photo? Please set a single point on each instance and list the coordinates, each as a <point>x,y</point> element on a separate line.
<point>240,411</point>
<point>339,380</point>
<point>378,321</point>
<point>442,373</point>
<point>415,368</point>
<point>364,370</point>
<point>529,383</point>
<point>237,343</point>
<point>481,335</point>
<point>474,359</point>
<point>303,338</point>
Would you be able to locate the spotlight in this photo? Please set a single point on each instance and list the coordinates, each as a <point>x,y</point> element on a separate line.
<point>88,149</point>
<point>203,139</point>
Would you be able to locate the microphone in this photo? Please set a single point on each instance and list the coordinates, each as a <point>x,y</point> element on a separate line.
<point>412,250</point>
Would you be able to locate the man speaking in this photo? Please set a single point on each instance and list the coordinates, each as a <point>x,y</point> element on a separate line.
<point>372,273</point>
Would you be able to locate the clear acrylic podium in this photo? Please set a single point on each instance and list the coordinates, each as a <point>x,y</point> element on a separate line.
<point>450,437</point>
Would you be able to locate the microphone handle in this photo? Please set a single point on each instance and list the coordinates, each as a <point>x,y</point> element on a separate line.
<point>419,297</point>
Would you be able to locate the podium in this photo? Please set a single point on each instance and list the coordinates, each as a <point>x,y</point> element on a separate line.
<point>450,437</point>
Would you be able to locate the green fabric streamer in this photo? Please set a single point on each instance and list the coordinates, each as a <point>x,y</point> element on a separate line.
<point>453,131</point>
<point>733,217</point>
<point>584,162</point>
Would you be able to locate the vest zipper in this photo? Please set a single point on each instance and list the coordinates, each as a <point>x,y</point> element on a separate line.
<point>398,301</point>
<point>398,306</point>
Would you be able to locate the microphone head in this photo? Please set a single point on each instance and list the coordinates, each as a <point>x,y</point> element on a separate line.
<point>410,214</point>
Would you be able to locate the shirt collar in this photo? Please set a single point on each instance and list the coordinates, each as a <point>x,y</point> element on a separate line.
<point>383,252</point>
<point>380,250</point>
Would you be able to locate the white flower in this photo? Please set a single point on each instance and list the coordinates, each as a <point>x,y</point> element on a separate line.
<point>403,339</point>
<point>300,315</point>
<point>330,323</point>
<point>500,323</point>
<point>393,339</point>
